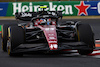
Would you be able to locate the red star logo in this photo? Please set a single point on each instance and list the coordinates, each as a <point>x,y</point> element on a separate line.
<point>82,8</point>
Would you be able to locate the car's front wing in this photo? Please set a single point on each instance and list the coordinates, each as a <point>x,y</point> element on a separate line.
<point>44,47</point>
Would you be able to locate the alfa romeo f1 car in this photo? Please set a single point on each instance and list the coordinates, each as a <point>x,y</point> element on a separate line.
<point>46,33</point>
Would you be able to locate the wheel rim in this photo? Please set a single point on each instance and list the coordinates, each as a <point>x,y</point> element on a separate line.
<point>8,51</point>
<point>78,35</point>
<point>8,42</point>
<point>8,47</point>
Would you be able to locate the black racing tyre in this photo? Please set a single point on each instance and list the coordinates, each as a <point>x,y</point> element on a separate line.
<point>86,35</point>
<point>16,37</point>
<point>5,35</point>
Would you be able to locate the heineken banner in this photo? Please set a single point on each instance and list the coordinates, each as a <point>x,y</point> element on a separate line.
<point>68,8</point>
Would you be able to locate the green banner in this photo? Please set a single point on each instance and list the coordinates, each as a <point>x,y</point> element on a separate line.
<point>66,6</point>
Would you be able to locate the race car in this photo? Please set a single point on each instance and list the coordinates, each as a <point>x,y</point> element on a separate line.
<point>44,31</point>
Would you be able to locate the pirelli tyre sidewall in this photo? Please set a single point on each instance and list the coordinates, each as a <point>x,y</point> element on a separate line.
<point>4,37</point>
<point>86,35</point>
<point>16,37</point>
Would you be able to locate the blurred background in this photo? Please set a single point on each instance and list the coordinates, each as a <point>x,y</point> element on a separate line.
<point>42,0</point>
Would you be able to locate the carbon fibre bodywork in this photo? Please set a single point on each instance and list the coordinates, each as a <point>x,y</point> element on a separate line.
<point>36,40</point>
<point>46,33</point>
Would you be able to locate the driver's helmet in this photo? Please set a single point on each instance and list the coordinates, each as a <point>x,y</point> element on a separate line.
<point>39,21</point>
<point>48,21</point>
<point>42,21</point>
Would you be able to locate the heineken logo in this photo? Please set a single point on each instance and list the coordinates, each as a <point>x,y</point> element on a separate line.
<point>67,9</point>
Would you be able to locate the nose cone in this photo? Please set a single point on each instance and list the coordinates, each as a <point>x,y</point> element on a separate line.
<point>51,36</point>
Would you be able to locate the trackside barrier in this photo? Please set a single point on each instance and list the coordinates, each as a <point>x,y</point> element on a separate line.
<point>68,8</point>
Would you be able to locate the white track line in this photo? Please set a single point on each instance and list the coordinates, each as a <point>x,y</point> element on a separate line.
<point>97,41</point>
<point>98,51</point>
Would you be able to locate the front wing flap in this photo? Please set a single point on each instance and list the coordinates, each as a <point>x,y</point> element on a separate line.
<point>44,47</point>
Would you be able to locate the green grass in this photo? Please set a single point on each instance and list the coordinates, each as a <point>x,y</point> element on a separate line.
<point>7,18</point>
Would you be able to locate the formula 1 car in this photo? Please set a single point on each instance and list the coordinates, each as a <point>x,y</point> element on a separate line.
<point>46,33</point>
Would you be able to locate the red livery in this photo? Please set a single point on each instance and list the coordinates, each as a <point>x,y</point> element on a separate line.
<point>46,32</point>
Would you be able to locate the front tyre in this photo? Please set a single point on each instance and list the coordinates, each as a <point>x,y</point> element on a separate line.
<point>16,37</point>
<point>4,35</point>
<point>86,35</point>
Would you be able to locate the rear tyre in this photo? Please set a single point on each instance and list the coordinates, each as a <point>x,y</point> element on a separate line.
<point>5,35</point>
<point>16,37</point>
<point>86,35</point>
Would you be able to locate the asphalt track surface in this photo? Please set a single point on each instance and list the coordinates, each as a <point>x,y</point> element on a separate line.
<point>63,60</point>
